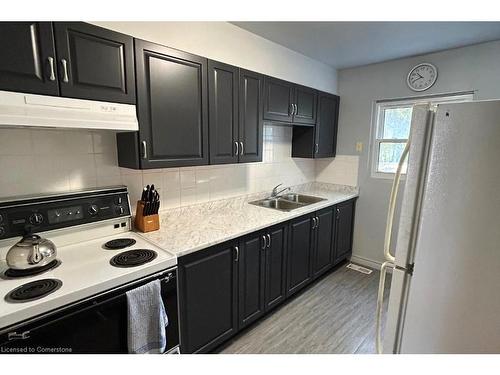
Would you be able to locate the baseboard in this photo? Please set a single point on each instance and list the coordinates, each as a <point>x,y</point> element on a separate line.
<point>367,262</point>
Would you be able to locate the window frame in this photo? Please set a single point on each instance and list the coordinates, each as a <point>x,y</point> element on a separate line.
<point>379,108</point>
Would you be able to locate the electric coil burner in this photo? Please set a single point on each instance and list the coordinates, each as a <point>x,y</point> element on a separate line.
<point>133,258</point>
<point>33,290</point>
<point>119,243</point>
<point>12,273</point>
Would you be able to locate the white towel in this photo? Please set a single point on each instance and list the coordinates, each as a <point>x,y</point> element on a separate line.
<point>147,319</point>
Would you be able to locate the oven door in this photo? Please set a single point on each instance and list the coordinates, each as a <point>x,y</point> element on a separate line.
<point>97,325</point>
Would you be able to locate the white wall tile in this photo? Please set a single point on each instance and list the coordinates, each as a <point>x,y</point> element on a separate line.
<point>188,178</point>
<point>15,142</point>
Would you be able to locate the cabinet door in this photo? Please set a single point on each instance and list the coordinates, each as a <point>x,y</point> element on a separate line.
<point>250,112</point>
<point>299,254</point>
<point>278,99</point>
<point>344,229</point>
<point>171,106</point>
<point>95,63</point>
<point>208,297</point>
<point>305,102</point>
<point>251,278</point>
<point>28,62</point>
<point>323,254</point>
<point>276,266</point>
<point>326,127</point>
<point>223,112</point>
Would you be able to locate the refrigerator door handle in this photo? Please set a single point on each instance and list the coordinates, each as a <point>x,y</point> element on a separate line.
<point>392,205</point>
<point>380,304</point>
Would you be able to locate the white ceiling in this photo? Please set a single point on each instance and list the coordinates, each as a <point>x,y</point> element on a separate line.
<point>349,44</point>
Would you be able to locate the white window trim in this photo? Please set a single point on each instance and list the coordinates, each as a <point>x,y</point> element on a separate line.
<point>377,118</point>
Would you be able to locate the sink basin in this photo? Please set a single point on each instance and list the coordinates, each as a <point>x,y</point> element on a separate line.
<point>287,202</point>
<point>300,198</point>
<point>277,204</point>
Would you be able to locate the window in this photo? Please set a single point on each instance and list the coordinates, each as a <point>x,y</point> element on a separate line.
<point>392,130</point>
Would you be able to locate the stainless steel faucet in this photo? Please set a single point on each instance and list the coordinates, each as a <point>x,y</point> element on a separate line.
<point>276,192</point>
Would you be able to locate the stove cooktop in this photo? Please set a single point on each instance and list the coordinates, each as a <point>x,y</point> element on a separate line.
<point>85,270</point>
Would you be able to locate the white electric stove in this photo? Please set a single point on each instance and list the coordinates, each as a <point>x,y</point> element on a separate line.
<point>81,225</point>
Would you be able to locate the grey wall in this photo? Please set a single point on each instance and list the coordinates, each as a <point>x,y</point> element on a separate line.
<point>469,68</point>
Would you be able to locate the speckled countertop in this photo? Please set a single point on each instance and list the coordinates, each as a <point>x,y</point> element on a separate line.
<point>188,229</point>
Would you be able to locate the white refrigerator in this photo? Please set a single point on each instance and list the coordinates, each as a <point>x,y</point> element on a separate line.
<point>445,287</point>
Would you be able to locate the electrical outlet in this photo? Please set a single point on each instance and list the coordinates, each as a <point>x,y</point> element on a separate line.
<point>359,146</point>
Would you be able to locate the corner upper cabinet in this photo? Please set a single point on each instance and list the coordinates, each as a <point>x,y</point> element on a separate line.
<point>94,63</point>
<point>319,141</point>
<point>172,110</point>
<point>28,62</point>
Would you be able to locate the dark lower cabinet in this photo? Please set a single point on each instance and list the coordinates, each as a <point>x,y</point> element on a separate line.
<point>344,227</point>
<point>323,241</point>
<point>208,297</point>
<point>28,62</point>
<point>276,250</point>
<point>319,141</point>
<point>251,278</point>
<point>171,108</point>
<point>94,63</point>
<point>299,255</point>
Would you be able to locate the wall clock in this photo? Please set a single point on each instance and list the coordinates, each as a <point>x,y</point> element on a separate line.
<point>422,77</point>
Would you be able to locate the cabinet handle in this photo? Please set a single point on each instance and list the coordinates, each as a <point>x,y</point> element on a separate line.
<point>314,223</point>
<point>316,148</point>
<point>317,221</point>
<point>338,213</point>
<point>264,242</point>
<point>237,148</point>
<point>144,150</point>
<point>268,241</point>
<point>237,250</point>
<point>65,70</point>
<point>52,76</point>
<point>292,109</point>
<point>296,110</point>
<point>241,148</point>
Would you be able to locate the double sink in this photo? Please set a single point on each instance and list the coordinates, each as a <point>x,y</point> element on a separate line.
<point>287,202</point>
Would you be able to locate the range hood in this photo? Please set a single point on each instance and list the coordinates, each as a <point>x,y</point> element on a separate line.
<point>19,109</point>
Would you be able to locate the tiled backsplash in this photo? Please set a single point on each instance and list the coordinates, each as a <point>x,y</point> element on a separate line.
<point>342,170</point>
<point>34,161</point>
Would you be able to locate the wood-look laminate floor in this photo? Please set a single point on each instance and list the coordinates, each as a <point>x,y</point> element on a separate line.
<point>334,315</point>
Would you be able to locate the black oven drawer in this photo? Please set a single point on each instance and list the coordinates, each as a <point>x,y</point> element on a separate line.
<point>98,325</point>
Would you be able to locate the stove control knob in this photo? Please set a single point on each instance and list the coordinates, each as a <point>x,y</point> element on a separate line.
<point>119,210</point>
<point>119,200</point>
<point>93,210</point>
<point>2,231</point>
<point>36,219</point>
<point>1,218</point>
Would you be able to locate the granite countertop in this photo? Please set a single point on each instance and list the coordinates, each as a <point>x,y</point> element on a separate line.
<point>189,229</point>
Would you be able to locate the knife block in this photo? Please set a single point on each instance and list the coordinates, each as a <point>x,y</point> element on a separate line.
<point>145,223</point>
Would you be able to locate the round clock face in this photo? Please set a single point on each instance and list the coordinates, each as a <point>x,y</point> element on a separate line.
<point>421,77</point>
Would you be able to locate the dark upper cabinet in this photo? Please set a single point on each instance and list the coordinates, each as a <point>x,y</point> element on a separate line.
<point>28,62</point>
<point>171,108</point>
<point>250,116</point>
<point>94,63</point>
<point>276,250</point>
<point>278,100</point>
<point>289,103</point>
<point>305,105</point>
<point>251,278</point>
<point>223,88</point>
<point>319,141</point>
<point>208,298</point>
<point>235,114</point>
<point>344,227</point>
<point>299,255</point>
<point>323,241</point>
